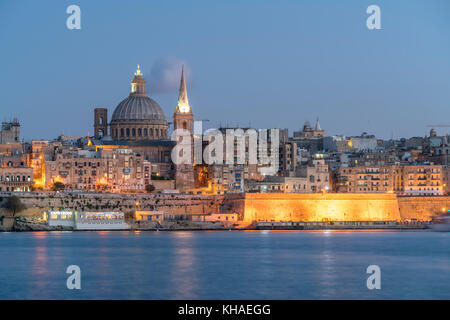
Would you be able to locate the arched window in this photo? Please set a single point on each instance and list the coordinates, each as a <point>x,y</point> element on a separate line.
<point>145,132</point>
<point>122,133</point>
<point>151,132</point>
<point>128,132</point>
<point>139,132</point>
<point>184,125</point>
<point>133,132</point>
<point>156,132</point>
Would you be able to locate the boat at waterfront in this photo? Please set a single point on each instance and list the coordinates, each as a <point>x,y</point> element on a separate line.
<point>441,222</point>
<point>87,220</point>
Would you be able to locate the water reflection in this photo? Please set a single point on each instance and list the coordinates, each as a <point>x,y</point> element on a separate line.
<point>327,272</point>
<point>39,267</point>
<point>184,279</point>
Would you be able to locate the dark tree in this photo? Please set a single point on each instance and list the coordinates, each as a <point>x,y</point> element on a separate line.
<point>149,188</point>
<point>58,186</point>
<point>14,204</point>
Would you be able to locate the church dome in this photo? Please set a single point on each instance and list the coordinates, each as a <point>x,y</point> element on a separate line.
<point>138,117</point>
<point>138,108</point>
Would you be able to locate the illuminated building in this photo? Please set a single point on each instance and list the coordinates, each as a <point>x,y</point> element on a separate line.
<point>118,170</point>
<point>139,124</point>
<point>36,160</point>
<point>414,180</point>
<point>308,179</point>
<point>18,179</point>
<point>137,117</point>
<point>184,119</point>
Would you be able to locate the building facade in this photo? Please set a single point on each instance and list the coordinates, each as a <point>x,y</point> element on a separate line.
<point>10,132</point>
<point>16,179</point>
<point>118,170</point>
<point>414,180</point>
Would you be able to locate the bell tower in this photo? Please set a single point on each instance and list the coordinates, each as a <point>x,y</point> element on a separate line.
<point>183,118</point>
<point>100,122</point>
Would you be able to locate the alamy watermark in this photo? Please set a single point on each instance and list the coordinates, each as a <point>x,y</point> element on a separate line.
<point>374,280</point>
<point>373,22</point>
<point>227,147</point>
<point>74,280</point>
<point>74,20</point>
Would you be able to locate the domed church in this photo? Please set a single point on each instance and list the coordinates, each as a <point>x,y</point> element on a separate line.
<point>139,123</point>
<point>138,117</point>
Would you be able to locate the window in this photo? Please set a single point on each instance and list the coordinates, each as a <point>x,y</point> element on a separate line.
<point>145,132</point>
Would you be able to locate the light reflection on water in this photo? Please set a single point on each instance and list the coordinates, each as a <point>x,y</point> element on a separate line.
<point>225,265</point>
<point>183,272</point>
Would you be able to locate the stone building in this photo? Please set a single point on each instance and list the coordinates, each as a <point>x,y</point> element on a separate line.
<point>289,157</point>
<point>311,178</point>
<point>337,143</point>
<point>364,142</point>
<point>424,180</point>
<point>418,180</point>
<point>228,176</point>
<point>16,179</point>
<point>118,170</point>
<point>10,132</point>
<point>310,138</point>
<point>138,123</point>
<point>309,132</point>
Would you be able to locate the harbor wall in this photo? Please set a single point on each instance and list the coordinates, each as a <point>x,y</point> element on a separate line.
<point>249,207</point>
<point>176,204</point>
<point>422,208</point>
<point>315,207</point>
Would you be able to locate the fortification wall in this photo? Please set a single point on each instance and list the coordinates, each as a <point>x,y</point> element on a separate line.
<point>176,204</point>
<point>320,207</point>
<point>422,208</point>
<point>249,207</point>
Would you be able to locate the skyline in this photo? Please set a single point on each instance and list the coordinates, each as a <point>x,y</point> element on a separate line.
<point>60,74</point>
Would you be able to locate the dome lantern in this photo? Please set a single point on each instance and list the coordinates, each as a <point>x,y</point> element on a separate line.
<point>138,117</point>
<point>138,83</point>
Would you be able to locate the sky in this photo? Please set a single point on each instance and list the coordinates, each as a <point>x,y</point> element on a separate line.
<point>261,63</point>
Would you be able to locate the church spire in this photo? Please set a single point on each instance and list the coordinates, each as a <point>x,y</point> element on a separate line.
<point>182,97</point>
<point>183,102</point>
<point>318,128</point>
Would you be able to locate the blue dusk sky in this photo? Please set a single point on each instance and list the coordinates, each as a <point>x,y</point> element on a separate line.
<point>267,63</point>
